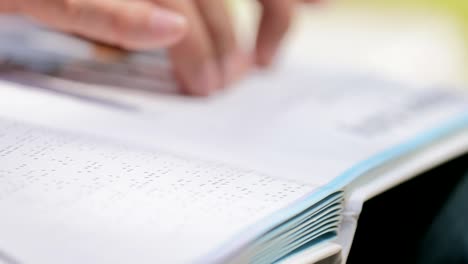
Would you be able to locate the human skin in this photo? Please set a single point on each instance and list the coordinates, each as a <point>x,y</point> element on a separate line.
<point>199,34</point>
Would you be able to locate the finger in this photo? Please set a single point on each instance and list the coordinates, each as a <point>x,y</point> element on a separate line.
<point>220,27</point>
<point>275,22</point>
<point>8,6</point>
<point>194,58</point>
<point>128,24</point>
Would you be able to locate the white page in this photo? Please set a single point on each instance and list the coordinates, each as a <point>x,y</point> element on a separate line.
<point>288,124</point>
<point>295,122</point>
<point>67,198</point>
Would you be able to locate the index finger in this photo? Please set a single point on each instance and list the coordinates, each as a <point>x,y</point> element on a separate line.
<point>275,22</point>
<point>194,57</point>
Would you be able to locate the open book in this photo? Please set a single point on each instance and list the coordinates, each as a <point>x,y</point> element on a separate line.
<point>278,166</point>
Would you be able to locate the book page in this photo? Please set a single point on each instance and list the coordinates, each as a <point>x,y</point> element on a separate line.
<point>68,198</point>
<point>295,121</point>
<point>290,123</point>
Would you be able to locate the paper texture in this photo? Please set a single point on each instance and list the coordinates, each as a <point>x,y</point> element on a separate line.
<point>69,198</point>
<point>295,123</point>
<point>288,124</point>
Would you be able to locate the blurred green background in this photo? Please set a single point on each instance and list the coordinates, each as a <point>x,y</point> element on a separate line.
<point>457,9</point>
<point>416,41</point>
<point>421,42</point>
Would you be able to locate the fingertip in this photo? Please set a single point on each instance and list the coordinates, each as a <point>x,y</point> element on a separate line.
<point>204,81</point>
<point>265,54</point>
<point>274,25</point>
<point>234,66</point>
<point>263,59</point>
<point>168,27</point>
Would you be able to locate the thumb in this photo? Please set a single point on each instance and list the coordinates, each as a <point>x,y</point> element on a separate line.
<point>134,25</point>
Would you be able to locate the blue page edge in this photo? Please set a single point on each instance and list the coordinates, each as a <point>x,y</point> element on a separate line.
<point>234,245</point>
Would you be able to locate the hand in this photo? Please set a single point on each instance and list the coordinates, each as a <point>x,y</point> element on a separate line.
<point>134,25</point>
<point>209,57</point>
<point>199,33</point>
<point>276,20</point>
